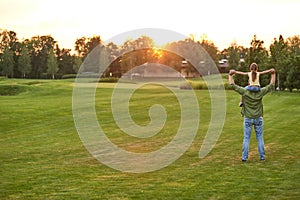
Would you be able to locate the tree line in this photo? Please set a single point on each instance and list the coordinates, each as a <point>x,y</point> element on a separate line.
<point>41,57</point>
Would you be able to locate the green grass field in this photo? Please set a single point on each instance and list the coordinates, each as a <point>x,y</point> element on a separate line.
<point>42,157</point>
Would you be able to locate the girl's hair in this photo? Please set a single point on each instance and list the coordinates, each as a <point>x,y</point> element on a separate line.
<point>253,69</point>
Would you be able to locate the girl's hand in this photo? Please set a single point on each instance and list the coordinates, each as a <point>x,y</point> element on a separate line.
<point>231,72</point>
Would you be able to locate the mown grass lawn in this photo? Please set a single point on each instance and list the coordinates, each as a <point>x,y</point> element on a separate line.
<point>42,157</point>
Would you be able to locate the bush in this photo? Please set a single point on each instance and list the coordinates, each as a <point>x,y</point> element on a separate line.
<point>2,78</point>
<point>202,86</point>
<point>109,80</point>
<point>10,90</point>
<point>92,76</point>
<point>186,86</point>
<point>33,82</point>
<point>66,76</point>
<point>199,86</point>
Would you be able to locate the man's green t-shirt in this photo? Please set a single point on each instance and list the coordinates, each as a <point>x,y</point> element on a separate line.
<point>253,106</point>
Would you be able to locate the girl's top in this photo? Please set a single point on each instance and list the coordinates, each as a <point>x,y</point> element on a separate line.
<point>251,82</point>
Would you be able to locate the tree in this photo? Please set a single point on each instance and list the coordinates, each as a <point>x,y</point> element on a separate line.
<point>65,61</point>
<point>197,60</point>
<point>293,71</point>
<point>135,52</point>
<point>24,62</point>
<point>292,79</point>
<point>257,52</point>
<point>77,63</point>
<point>93,42</point>
<point>113,54</point>
<point>233,56</point>
<point>8,39</point>
<point>84,45</point>
<point>7,62</point>
<point>210,47</point>
<point>280,59</point>
<point>207,64</point>
<point>52,66</point>
<point>80,47</point>
<point>40,47</point>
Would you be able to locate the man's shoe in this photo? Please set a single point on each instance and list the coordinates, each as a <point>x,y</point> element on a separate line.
<point>244,160</point>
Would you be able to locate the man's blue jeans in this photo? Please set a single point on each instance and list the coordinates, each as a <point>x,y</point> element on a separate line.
<point>258,127</point>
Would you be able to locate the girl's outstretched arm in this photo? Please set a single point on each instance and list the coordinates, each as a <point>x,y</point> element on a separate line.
<point>265,71</point>
<point>241,73</point>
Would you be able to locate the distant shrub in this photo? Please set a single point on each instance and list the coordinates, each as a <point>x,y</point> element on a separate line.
<point>34,82</point>
<point>2,78</point>
<point>194,85</point>
<point>10,90</point>
<point>203,86</point>
<point>93,76</point>
<point>109,80</point>
<point>199,86</point>
<point>186,86</point>
<point>67,76</point>
<point>88,75</point>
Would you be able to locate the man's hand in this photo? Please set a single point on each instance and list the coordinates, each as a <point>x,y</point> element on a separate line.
<point>231,72</point>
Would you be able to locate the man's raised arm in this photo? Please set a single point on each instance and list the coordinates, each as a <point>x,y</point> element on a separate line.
<point>230,78</point>
<point>273,76</point>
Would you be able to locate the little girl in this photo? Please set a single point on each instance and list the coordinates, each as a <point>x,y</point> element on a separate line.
<point>253,80</point>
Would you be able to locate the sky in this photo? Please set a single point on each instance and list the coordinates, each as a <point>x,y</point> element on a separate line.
<point>223,22</point>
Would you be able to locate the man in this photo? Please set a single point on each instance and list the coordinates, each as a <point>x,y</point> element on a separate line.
<point>253,113</point>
